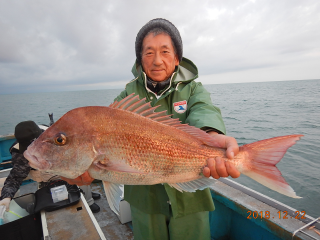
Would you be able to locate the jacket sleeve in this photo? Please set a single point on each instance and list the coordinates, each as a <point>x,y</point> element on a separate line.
<point>121,96</point>
<point>19,171</point>
<point>202,113</point>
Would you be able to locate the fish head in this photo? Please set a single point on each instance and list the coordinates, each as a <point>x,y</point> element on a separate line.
<point>65,148</point>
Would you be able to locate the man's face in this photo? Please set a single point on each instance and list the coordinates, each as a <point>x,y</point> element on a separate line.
<point>158,57</point>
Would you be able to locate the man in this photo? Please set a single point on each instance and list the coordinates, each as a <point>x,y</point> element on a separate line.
<point>25,133</point>
<point>165,78</point>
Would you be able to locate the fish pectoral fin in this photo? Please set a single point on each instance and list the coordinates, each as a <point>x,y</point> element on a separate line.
<point>116,166</point>
<point>114,193</point>
<point>191,186</point>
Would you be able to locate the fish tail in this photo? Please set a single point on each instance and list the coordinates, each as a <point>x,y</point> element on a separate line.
<point>261,158</point>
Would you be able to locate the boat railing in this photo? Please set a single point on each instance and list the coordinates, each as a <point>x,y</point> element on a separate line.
<point>239,207</point>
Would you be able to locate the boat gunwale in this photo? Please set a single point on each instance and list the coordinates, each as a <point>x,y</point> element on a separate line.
<point>267,200</point>
<point>241,203</point>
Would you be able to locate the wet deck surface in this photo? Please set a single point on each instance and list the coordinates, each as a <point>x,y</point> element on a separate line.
<point>108,220</point>
<point>82,226</point>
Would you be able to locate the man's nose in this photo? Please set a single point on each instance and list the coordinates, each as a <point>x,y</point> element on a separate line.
<point>157,59</point>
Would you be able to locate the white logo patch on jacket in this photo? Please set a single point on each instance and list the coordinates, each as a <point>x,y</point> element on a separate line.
<point>180,107</point>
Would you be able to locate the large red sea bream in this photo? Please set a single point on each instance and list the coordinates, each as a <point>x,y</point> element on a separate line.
<point>129,143</point>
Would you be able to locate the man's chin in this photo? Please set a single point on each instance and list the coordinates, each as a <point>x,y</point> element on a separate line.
<point>157,78</point>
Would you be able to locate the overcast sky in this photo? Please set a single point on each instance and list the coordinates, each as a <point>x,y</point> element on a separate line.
<point>79,45</point>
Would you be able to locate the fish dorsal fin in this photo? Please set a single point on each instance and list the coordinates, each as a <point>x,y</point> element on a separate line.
<point>132,103</point>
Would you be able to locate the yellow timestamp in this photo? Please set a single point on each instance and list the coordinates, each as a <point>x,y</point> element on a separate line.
<point>280,215</point>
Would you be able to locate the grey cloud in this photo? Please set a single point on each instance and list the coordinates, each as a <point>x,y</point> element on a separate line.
<point>79,43</point>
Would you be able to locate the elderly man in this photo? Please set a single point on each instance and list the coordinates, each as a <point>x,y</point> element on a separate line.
<point>165,78</point>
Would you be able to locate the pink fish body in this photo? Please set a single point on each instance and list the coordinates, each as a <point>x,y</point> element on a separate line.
<point>128,143</point>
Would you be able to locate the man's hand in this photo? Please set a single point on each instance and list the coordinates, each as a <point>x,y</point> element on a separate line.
<point>217,167</point>
<point>84,179</point>
<point>6,203</point>
<point>223,141</point>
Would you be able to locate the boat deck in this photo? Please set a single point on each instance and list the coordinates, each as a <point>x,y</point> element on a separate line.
<point>106,218</point>
<point>229,220</point>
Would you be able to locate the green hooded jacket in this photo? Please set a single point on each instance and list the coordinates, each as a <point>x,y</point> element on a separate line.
<point>191,103</point>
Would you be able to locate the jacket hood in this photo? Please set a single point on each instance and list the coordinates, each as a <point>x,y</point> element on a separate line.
<point>186,71</point>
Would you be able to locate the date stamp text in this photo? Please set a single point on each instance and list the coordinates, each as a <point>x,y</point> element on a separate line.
<point>280,215</point>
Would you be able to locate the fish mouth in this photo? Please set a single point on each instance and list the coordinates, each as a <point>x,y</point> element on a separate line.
<point>35,162</point>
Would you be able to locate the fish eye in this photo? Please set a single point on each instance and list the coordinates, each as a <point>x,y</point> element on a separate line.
<point>60,139</point>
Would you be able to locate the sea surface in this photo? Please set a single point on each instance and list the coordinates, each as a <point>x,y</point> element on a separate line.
<point>251,111</point>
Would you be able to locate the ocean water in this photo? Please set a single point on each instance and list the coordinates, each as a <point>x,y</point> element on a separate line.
<point>256,111</point>
<point>251,111</point>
